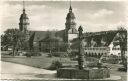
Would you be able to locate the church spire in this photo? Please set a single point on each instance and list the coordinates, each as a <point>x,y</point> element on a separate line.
<point>70,9</point>
<point>24,20</point>
<point>23,7</point>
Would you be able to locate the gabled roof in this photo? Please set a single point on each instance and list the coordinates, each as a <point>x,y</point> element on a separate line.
<point>40,35</point>
<point>51,39</point>
<point>106,36</point>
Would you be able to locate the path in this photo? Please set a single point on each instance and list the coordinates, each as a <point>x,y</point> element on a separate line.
<point>18,71</point>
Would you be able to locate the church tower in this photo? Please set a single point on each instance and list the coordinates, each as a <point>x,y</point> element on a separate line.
<point>70,26</point>
<point>24,21</point>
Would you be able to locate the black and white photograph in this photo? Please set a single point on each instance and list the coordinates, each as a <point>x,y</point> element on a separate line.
<point>68,40</point>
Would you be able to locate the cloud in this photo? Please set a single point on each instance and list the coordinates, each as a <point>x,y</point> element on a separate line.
<point>102,13</point>
<point>99,16</point>
<point>49,16</point>
<point>41,17</point>
<point>93,27</point>
<point>10,16</point>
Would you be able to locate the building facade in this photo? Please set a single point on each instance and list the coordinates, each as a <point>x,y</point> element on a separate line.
<point>96,43</point>
<point>70,26</point>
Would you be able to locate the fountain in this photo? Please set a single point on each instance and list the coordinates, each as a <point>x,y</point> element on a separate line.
<point>86,73</point>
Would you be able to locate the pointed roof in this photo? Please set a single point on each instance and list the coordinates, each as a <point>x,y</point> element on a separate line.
<point>70,14</point>
<point>23,7</point>
<point>108,37</point>
<point>24,15</point>
<point>70,9</point>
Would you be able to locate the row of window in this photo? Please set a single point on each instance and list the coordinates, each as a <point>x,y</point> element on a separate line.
<point>101,48</point>
<point>95,53</point>
<point>96,48</point>
<point>115,48</point>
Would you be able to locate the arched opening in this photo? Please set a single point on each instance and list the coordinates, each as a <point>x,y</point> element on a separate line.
<point>92,55</point>
<point>98,55</point>
<point>85,53</point>
<point>89,54</point>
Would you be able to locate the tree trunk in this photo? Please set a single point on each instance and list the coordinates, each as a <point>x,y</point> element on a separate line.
<point>123,55</point>
<point>13,53</point>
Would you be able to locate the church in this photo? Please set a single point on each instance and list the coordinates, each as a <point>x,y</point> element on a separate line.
<point>50,39</point>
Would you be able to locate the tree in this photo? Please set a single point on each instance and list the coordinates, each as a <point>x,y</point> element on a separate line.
<point>31,39</point>
<point>14,38</point>
<point>121,40</point>
<point>10,38</point>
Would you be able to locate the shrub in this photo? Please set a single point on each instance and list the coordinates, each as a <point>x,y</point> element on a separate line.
<point>59,54</point>
<point>49,55</point>
<point>55,65</point>
<point>73,55</point>
<point>99,65</point>
<point>35,54</point>
<point>92,64</point>
<point>29,54</point>
<point>123,69</point>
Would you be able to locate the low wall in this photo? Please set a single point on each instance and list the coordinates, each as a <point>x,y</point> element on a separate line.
<point>56,80</point>
<point>93,73</point>
<point>112,78</point>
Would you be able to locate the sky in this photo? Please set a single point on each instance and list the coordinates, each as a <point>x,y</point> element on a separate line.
<point>93,16</point>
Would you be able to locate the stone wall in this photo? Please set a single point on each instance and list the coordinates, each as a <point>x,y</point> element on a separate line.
<point>73,73</point>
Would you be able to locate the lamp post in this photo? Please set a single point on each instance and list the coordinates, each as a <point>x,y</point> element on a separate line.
<point>80,55</point>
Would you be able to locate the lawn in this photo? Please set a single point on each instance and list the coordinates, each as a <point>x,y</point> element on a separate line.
<point>45,62</point>
<point>39,61</point>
